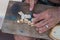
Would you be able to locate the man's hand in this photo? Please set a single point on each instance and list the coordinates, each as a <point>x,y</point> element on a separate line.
<point>46,20</point>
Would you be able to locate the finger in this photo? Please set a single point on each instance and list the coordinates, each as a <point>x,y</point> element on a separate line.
<point>44,22</point>
<point>42,30</point>
<point>38,19</point>
<point>36,15</point>
<point>40,24</point>
<point>52,23</point>
<point>31,4</point>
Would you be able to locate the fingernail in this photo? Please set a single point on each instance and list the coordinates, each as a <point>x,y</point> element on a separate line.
<point>40,32</point>
<point>30,9</point>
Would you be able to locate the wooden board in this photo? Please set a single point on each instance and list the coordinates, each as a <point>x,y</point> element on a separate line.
<point>12,27</point>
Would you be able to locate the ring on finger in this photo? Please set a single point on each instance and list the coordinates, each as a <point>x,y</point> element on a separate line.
<point>46,26</point>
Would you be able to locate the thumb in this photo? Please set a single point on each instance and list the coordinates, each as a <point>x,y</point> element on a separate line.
<point>31,5</point>
<point>35,15</point>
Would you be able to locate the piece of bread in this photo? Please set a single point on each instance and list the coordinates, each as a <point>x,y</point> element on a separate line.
<point>18,21</point>
<point>55,33</point>
<point>26,20</point>
<point>29,23</point>
<point>32,25</point>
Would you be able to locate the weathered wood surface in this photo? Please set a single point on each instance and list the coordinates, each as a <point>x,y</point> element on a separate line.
<point>10,26</point>
<point>3,8</point>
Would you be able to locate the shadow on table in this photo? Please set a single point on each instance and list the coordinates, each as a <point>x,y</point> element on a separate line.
<point>4,36</point>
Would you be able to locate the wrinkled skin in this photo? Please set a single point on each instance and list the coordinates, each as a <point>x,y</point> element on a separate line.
<point>49,17</point>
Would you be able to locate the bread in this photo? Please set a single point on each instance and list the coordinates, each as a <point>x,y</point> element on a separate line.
<point>32,25</point>
<point>26,20</point>
<point>18,21</point>
<point>29,23</point>
<point>55,33</point>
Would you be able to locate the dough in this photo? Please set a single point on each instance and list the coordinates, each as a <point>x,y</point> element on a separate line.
<point>55,33</point>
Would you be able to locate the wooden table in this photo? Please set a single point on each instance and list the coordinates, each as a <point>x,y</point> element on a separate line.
<point>10,26</point>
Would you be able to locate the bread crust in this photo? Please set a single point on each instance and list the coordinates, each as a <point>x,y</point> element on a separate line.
<point>51,35</point>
